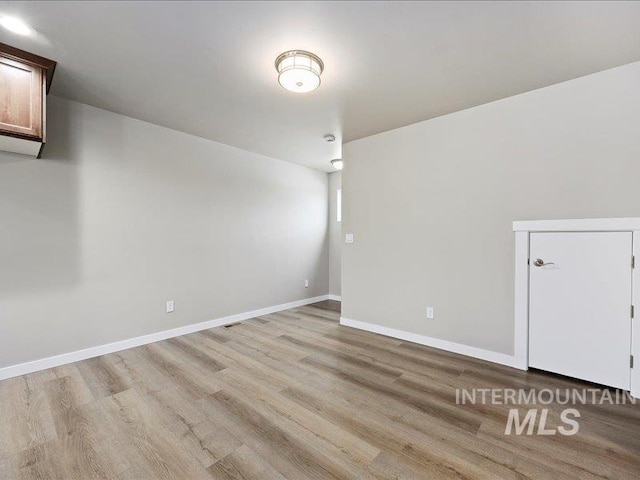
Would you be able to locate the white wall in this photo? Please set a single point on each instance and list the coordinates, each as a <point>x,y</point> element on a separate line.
<point>335,236</point>
<point>121,215</point>
<point>431,204</point>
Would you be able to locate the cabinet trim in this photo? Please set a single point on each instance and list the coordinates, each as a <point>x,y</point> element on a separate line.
<point>49,66</point>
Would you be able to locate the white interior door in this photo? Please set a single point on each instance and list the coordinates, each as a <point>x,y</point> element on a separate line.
<point>580,305</point>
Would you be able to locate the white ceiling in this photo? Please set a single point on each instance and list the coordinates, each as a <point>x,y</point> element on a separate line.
<point>206,68</point>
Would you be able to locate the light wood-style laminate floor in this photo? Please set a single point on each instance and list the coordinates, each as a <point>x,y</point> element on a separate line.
<point>294,395</point>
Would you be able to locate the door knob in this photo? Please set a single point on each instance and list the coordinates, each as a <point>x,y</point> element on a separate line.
<point>538,262</point>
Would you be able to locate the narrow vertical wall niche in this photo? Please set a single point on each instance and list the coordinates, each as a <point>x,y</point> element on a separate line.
<point>335,235</point>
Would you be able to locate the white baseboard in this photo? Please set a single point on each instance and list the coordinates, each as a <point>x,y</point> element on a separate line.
<point>337,298</point>
<point>474,352</point>
<point>56,361</point>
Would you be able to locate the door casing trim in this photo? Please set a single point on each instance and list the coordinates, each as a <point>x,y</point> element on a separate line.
<point>522,230</point>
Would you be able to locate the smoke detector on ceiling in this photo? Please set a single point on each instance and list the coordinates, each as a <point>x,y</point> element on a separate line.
<point>329,138</point>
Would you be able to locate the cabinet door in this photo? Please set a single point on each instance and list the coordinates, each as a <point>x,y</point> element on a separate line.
<point>21,96</point>
<point>580,305</point>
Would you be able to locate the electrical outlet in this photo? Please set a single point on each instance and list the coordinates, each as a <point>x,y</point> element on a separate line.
<point>348,238</point>
<point>430,313</point>
<point>306,284</point>
<point>170,306</point>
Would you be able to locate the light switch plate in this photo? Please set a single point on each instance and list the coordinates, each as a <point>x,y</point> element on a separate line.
<point>348,238</point>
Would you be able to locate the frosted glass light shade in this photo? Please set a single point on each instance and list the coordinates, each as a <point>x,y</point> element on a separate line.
<point>299,71</point>
<point>337,163</point>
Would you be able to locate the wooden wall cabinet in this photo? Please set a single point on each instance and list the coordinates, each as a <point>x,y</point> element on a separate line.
<point>25,80</point>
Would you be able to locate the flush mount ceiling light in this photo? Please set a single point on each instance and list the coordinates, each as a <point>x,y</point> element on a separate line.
<point>299,71</point>
<point>337,163</point>
<point>16,25</point>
